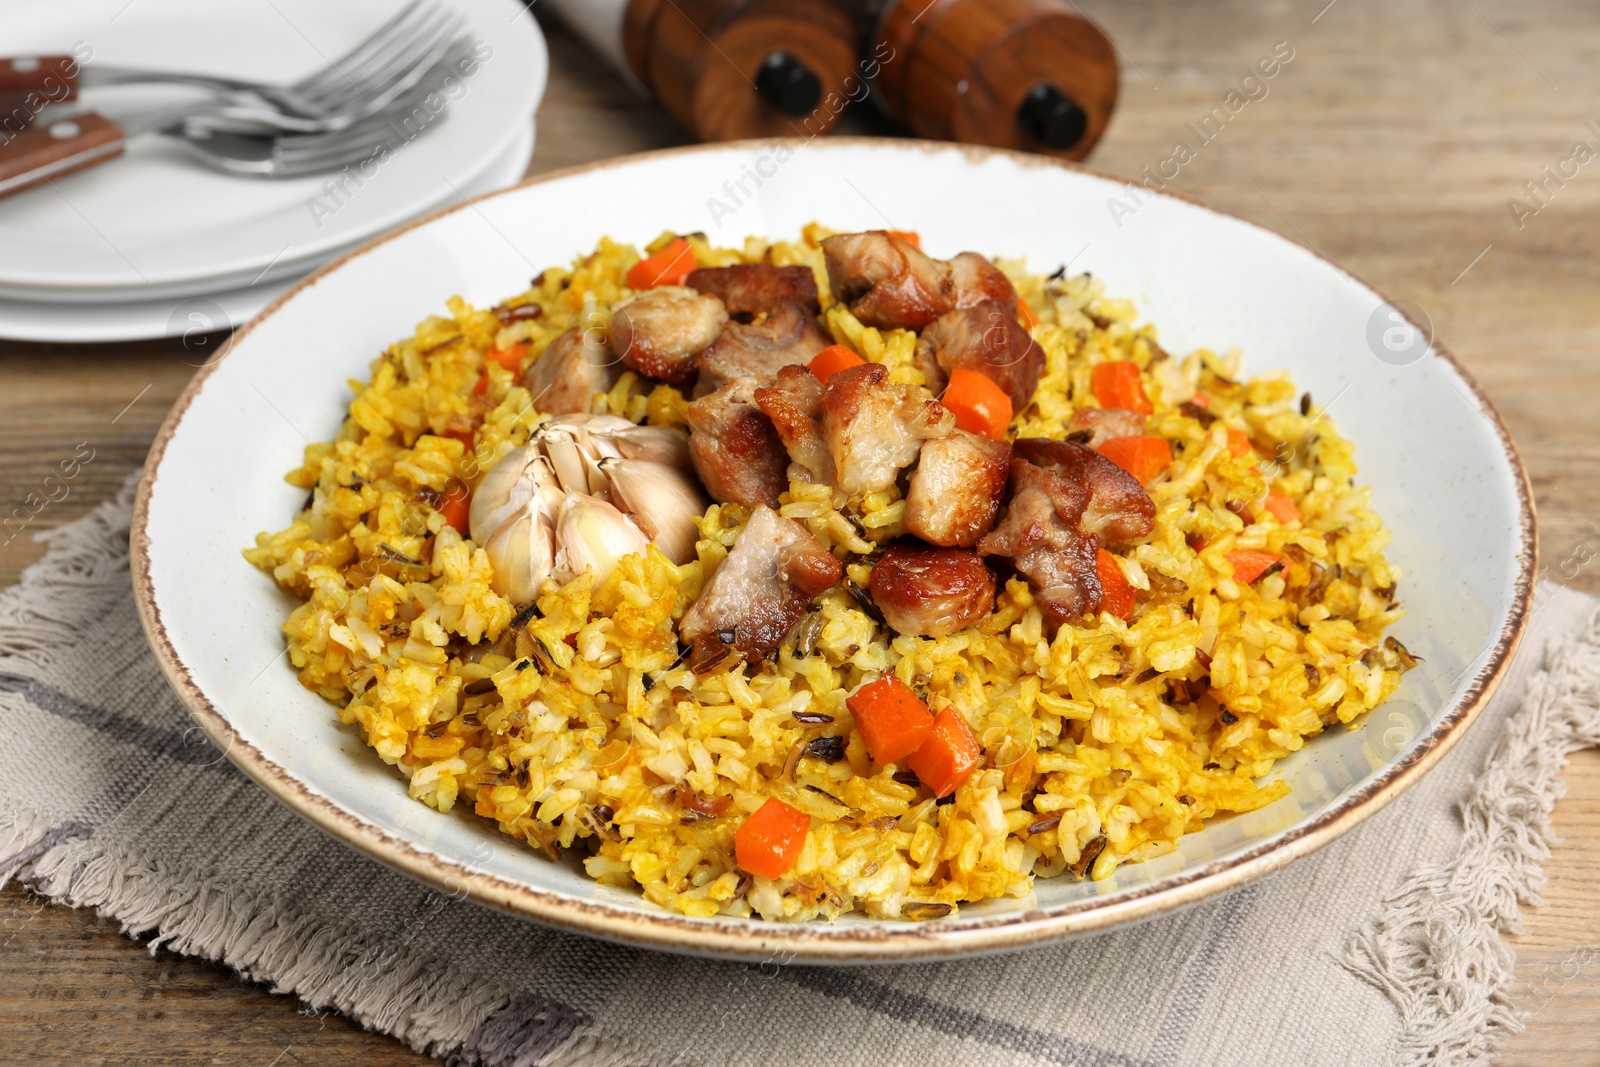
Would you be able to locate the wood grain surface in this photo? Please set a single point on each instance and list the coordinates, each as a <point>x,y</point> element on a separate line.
<point>1392,141</point>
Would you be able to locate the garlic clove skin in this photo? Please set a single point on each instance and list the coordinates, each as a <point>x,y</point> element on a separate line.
<point>599,424</point>
<point>663,500</point>
<point>522,551</point>
<point>569,462</point>
<point>658,444</point>
<point>575,445</point>
<point>593,534</point>
<point>503,489</point>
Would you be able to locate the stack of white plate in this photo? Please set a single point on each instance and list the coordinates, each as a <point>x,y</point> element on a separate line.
<point>157,245</point>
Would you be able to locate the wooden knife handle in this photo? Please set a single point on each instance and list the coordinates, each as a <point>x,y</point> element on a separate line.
<point>55,78</point>
<point>58,147</point>
<point>17,113</point>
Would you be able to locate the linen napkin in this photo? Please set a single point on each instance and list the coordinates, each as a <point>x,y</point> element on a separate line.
<point>1382,948</point>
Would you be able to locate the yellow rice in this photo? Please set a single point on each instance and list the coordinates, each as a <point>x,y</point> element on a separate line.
<point>1089,762</point>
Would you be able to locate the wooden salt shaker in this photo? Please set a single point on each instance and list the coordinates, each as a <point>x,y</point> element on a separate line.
<point>727,69</point>
<point>1028,74</point>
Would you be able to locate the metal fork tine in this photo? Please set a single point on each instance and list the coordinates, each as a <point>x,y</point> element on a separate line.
<point>380,71</point>
<point>351,88</point>
<point>346,80</point>
<point>372,130</point>
<point>331,154</point>
<point>404,58</point>
<point>374,43</point>
<point>370,133</point>
<point>404,72</point>
<point>415,54</point>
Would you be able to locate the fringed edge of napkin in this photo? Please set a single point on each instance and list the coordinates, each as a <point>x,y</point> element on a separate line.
<point>1436,950</point>
<point>436,1008</point>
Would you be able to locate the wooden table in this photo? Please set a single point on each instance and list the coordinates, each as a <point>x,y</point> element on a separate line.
<point>1391,142</point>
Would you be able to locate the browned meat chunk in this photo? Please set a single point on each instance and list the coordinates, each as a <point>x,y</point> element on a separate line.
<point>1117,509</point>
<point>1040,535</point>
<point>1105,424</point>
<point>767,582</point>
<point>787,336</point>
<point>659,332</point>
<point>794,404</point>
<point>569,372</point>
<point>976,280</point>
<point>875,428</point>
<point>735,450</point>
<point>885,281</point>
<point>808,566</point>
<point>1065,500</point>
<point>984,337</point>
<point>957,489</point>
<point>751,288</point>
<point>930,592</point>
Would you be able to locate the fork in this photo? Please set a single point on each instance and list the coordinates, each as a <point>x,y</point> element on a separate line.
<point>66,145</point>
<point>292,155</point>
<point>362,82</point>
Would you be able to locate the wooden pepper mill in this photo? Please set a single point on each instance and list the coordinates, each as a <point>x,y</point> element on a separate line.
<point>726,69</point>
<point>1028,74</point>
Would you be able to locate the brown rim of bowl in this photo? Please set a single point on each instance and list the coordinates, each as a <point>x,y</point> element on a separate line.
<point>845,942</point>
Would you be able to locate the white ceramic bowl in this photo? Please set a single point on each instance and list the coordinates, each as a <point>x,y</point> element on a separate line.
<point>1445,477</point>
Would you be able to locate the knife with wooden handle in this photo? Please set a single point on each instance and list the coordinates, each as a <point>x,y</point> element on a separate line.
<point>58,147</point>
<point>29,83</point>
<point>54,77</point>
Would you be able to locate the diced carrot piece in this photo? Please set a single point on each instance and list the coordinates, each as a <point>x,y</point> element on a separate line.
<point>1025,315</point>
<point>949,755</point>
<point>979,405</point>
<point>467,437</point>
<point>910,237</point>
<point>1200,400</point>
<point>770,840</point>
<point>1143,457</point>
<point>670,266</point>
<point>456,506</point>
<point>1250,564</point>
<point>509,358</point>
<point>1118,385</point>
<point>893,720</point>
<point>1238,443</point>
<point>1116,595</point>
<point>481,388</point>
<point>1281,507</point>
<point>832,360</point>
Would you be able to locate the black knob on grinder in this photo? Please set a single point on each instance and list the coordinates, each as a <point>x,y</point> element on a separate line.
<point>787,83</point>
<point>1053,117</point>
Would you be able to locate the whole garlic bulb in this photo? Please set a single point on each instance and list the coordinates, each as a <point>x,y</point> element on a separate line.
<point>584,492</point>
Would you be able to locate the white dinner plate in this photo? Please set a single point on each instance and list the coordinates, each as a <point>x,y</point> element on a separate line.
<point>157,224</point>
<point>1444,475</point>
<point>205,312</point>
